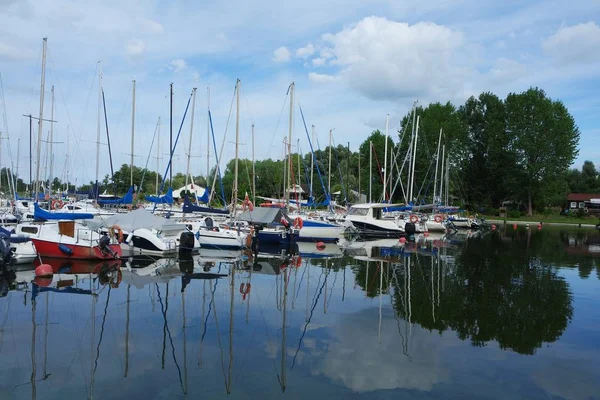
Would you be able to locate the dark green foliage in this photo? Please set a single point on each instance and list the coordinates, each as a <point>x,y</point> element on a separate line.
<point>514,214</point>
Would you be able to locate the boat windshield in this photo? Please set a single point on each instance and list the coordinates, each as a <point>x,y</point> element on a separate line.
<point>358,211</point>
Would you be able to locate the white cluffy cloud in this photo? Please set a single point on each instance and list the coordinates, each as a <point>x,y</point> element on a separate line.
<point>281,55</point>
<point>305,51</point>
<point>135,48</point>
<point>178,64</point>
<point>321,78</point>
<point>385,59</point>
<point>575,44</point>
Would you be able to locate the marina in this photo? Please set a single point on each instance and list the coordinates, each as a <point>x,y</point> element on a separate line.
<point>367,200</point>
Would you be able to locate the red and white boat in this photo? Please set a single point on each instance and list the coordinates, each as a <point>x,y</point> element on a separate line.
<point>68,239</point>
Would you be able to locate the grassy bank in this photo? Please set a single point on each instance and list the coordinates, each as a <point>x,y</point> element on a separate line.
<point>552,219</point>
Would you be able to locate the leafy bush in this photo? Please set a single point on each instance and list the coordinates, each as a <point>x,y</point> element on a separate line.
<point>492,211</point>
<point>514,214</point>
<point>580,213</point>
<point>547,211</point>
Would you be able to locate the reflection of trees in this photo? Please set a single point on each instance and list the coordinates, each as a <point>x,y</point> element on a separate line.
<point>496,291</point>
<point>559,248</point>
<point>368,274</point>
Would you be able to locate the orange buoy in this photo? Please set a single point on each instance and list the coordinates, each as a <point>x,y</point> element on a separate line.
<point>402,240</point>
<point>44,271</point>
<point>425,234</point>
<point>493,227</point>
<point>42,281</point>
<point>320,246</point>
<point>515,227</point>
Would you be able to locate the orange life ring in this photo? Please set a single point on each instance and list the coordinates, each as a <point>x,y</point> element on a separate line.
<point>298,223</point>
<point>116,229</point>
<point>298,262</point>
<point>438,218</point>
<point>56,204</point>
<point>247,205</point>
<point>414,219</point>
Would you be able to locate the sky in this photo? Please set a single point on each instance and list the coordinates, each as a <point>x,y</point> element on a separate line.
<point>352,62</point>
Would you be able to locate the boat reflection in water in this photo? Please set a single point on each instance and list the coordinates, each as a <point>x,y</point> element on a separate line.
<point>420,318</point>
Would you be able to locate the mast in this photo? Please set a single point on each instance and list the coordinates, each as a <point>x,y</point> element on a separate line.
<point>442,171</point>
<point>40,121</point>
<point>253,169</point>
<point>392,159</point>
<point>187,174</point>
<point>298,157</point>
<point>447,179</point>
<point>284,166</point>
<point>132,131</point>
<point>30,154</point>
<point>207,134</point>
<point>359,192</point>
<point>414,158</point>
<point>289,143</point>
<point>51,175</point>
<point>98,125</point>
<point>437,161</point>
<point>387,120</point>
<point>171,133</point>
<point>157,154</point>
<point>329,172</point>
<point>18,158</point>
<point>237,145</point>
<point>312,164</point>
<point>410,146</point>
<point>370,171</point>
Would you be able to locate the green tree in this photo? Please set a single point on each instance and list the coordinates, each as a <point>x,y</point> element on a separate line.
<point>589,177</point>
<point>489,168</point>
<point>377,138</point>
<point>432,118</point>
<point>546,140</point>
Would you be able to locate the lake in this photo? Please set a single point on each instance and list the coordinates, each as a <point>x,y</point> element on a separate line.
<point>508,314</point>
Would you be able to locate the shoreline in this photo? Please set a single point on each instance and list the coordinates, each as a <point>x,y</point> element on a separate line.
<point>568,224</point>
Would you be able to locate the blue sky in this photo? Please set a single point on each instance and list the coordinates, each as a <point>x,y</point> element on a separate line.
<point>352,61</point>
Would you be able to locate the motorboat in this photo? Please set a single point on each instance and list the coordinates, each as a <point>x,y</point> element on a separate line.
<point>315,230</point>
<point>141,233</point>
<point>223,236</point>
<point>369,221</point>
<point>20,243</point>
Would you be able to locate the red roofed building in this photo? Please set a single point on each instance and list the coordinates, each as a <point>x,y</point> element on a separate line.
<point>590,202</point>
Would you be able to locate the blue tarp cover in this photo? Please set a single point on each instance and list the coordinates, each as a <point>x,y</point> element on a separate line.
<point>167,198</point>
<point>127,199</point>
<point>40,214</point>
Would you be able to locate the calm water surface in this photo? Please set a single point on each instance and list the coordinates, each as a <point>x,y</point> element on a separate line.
<point>505,315</point>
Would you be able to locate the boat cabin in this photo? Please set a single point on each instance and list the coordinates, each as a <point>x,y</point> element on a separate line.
<point>374,210</point>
